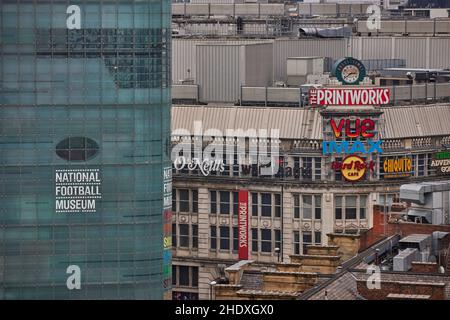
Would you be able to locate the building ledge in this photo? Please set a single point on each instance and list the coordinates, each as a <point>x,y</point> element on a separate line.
<point>401,296</point>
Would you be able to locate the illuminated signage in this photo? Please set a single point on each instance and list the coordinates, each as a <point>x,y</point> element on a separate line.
<point>206,166</point>
<point>361,127</point>
<point>243,224</point>
<point>350,147</point>
<point>352,129</point>
<point>441,162</point>
<point>77,190</point>
<point>397,168</point>
<point>349,96</point>
<point>353,168</point>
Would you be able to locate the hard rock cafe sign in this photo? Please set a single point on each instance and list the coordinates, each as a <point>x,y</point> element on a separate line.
<point>353,168</point>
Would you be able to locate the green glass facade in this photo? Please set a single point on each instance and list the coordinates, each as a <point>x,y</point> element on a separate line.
<point>84,140</point>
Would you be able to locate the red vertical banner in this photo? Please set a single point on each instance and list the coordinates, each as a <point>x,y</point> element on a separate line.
<point>243,224</point>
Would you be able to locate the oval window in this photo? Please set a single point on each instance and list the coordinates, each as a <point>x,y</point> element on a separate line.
<point>77,149</point>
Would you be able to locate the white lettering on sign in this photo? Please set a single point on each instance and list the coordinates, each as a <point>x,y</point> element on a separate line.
<point>349,97</point>
<point>167,188</point>
<point>77,190</point>
<point>243,225</point>
<point>206,166</point>
<point>74,20</point>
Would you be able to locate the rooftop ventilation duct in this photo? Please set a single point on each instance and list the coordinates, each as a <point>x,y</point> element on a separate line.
<point>334,32</point>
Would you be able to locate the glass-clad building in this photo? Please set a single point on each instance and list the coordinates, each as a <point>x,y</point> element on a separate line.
<point>84,141</point>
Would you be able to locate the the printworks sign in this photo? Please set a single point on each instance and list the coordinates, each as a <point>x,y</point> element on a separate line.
<point>77,190</point>
<point>441,162</point>
<point>243,224</point>
<point>349,96</point>
<point>397,168</point>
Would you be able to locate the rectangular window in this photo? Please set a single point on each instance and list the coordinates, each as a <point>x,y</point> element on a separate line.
<point>296,206</point>
<point>235,165</point>
<point>195,236</point>
<point>213,237</point>
<point>235,239</point>
<point>224,202</point>
<point>226,167</point>
<point>254,204</point>
<point>266,204</point>
<point>277,238</point>
<point>362,207</point>
<point>213,196</point>
<point>174,275</point>
<point>318,207</point>
<point>431,170</point>
<point>317,169</point>
<point>307,240</point>
<point>296,242</point>
<point>318,237</point>
<point>174,235</point>
<point>224,238</point>
<point>235,203</point>
<point>307,206</point>
<point>254,240</point>
<point>184,200</point>
<point>297,168</point>
<point>277,205</point>
<point>184,275</point>
<point>337,173</point>
<point>184,235</point>
<point>421,165</point>
<point>307,168</point>
<point>266,240</point>
<point>174,200</point>
<point>350,207</point>
<point>195,277</point>
<point>338,208</point>
<point>195,201</point>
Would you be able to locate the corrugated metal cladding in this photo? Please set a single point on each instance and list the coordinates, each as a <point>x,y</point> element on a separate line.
<point>222,69</point>
<point>283,49</point>
<point>218,72</point>
<point>419,52</point>
<point>291,123</point>
<point>416,121</point>
<point>184,52</point>
<point>401,122</point>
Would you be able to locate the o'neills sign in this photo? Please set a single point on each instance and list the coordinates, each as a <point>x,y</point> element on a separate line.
<point>243,224</point>
<point>349,96</point>
<point>441,162</point>
<point>206,166</point>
